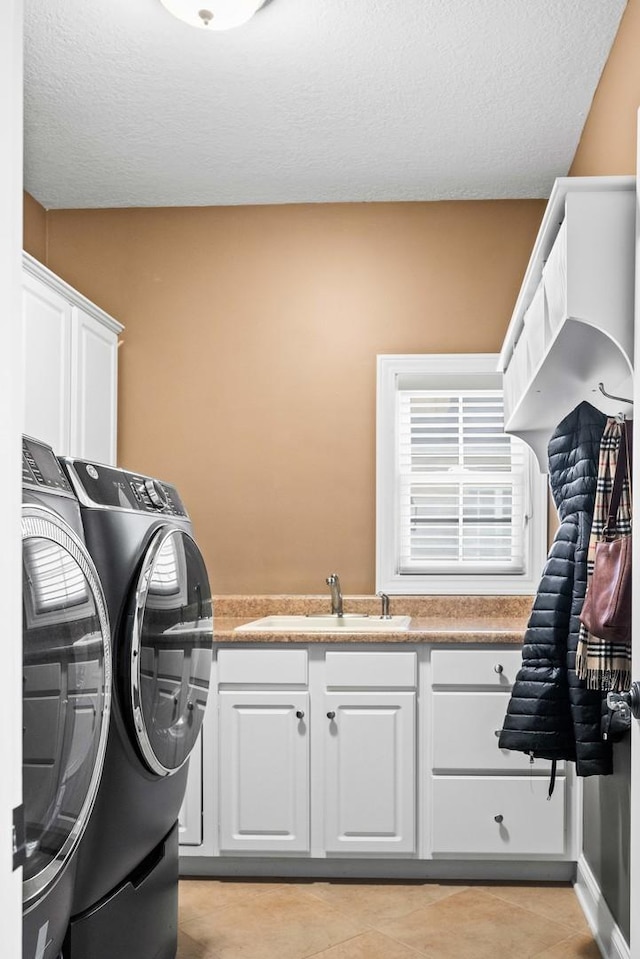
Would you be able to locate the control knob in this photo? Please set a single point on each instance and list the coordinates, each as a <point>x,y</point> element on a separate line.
<point>156,494</point>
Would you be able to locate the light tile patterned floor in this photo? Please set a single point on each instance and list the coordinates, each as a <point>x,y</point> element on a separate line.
<point>224,919</point>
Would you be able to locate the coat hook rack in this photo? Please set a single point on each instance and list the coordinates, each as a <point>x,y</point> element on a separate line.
<point>610,396</point>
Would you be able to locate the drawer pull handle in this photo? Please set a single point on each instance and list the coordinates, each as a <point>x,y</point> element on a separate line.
<point>299,714</point>
<point>499,818</point>
<point>496,733</point>
<point>331,715</point>
<point>498,668</point>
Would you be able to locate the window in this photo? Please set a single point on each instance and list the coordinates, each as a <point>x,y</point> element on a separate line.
<point>461,506</point>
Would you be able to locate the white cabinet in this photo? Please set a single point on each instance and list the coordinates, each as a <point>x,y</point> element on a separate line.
<point>264,771</point>
<point>371,752</point>
<point>94,365</point>
<point>190,817</point>
<point>363,739</point>
<point>370,787</point>
<point>46,350</point>
<point>486,801</point>
<point>70,367</point>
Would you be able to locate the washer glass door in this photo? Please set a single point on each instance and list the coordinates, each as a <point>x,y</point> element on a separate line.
<point>66,693</point>
<point>171,650</point>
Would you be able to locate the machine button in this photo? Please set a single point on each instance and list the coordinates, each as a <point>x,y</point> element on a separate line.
<point>155,493</point>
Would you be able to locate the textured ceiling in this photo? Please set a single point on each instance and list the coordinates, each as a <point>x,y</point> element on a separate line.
<point>311,101</point>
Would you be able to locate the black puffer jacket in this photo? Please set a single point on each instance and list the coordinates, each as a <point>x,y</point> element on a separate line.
<point>551,713</point>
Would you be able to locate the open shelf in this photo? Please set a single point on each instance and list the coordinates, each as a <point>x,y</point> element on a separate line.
<point>572,326</point>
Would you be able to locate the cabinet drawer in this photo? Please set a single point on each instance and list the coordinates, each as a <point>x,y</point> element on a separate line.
<point>366,669</point>
<point>475,667</point>
<point>263,667</point>
<point>463,734</point>
<point>465,811</point>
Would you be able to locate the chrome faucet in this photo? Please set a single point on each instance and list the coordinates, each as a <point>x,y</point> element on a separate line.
<point>385,605</point>
<point>333,582</point>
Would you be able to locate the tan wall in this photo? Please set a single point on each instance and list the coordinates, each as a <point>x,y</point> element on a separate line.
<point>34,228</point>
<point>248,364</point>
<point>608,144</point>
<point>252,332</point>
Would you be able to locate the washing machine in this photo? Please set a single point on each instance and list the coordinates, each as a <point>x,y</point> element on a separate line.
<point>66,696</point>
<point>159,601</point>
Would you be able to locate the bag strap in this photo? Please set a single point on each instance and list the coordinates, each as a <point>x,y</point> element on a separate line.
<point>628,436</point>
<point>552,780</point>
<point>623,468</point>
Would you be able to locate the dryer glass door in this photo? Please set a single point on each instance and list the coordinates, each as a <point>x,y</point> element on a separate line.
<point>171,650</point>
<point>66,692</point>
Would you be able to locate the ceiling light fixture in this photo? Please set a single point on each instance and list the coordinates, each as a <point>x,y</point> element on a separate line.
<point>213,14</point>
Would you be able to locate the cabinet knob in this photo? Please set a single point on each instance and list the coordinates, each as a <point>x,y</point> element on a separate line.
<point>331,715</point>
<point>496,733</point>
<point>498,668</point>
<point>499,818</point>
<point>299,713</point>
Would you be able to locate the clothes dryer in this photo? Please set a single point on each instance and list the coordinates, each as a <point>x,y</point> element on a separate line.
<point>159,601</point>
<point>66,695</point>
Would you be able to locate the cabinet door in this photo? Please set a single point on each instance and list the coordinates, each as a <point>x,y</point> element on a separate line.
<point>94,389</point>
<point>190,816</point>
<point>370,781</point>
<point>46,358</point>
<point>264,771</point>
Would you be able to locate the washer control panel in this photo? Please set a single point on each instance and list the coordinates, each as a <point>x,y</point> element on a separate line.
<point>120,489</point>
<point>153,494</point>
<point>40,468</point>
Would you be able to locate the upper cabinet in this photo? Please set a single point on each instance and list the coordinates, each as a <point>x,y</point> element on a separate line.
<point>572,327</point>
<point>70,367</point>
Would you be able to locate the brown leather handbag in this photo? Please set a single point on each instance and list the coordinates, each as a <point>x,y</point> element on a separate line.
<point>606,611</point>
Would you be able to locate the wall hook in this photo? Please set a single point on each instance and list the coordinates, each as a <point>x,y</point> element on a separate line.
<point>610,396</point>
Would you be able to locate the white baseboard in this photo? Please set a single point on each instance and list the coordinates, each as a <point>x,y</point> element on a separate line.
<point>607,933</point>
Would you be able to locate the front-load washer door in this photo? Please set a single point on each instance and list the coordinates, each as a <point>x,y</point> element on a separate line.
<point>171,646</point>
<point>66,693</point>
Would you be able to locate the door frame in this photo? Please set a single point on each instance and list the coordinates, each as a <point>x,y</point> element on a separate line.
<point>634,850</point>
<point>10,456</point>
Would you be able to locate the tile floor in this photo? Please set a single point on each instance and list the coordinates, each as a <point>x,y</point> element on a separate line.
<point>395,920</point>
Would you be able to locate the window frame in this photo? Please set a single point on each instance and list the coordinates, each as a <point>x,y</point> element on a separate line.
<point>389,368</point>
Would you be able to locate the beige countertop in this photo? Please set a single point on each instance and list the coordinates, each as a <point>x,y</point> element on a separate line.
<point>434,619</point>
<point>422,629</point>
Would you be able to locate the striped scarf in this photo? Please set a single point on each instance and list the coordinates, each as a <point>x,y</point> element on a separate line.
<point>603,664</point>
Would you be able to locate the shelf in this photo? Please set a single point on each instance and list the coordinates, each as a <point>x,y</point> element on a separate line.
<point>572,325</point>
<point>579,357</point>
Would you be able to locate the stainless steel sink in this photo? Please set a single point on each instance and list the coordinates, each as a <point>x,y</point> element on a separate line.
<point>326,624</point>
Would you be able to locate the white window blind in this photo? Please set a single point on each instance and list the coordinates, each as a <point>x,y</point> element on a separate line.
<point>462,484</point>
